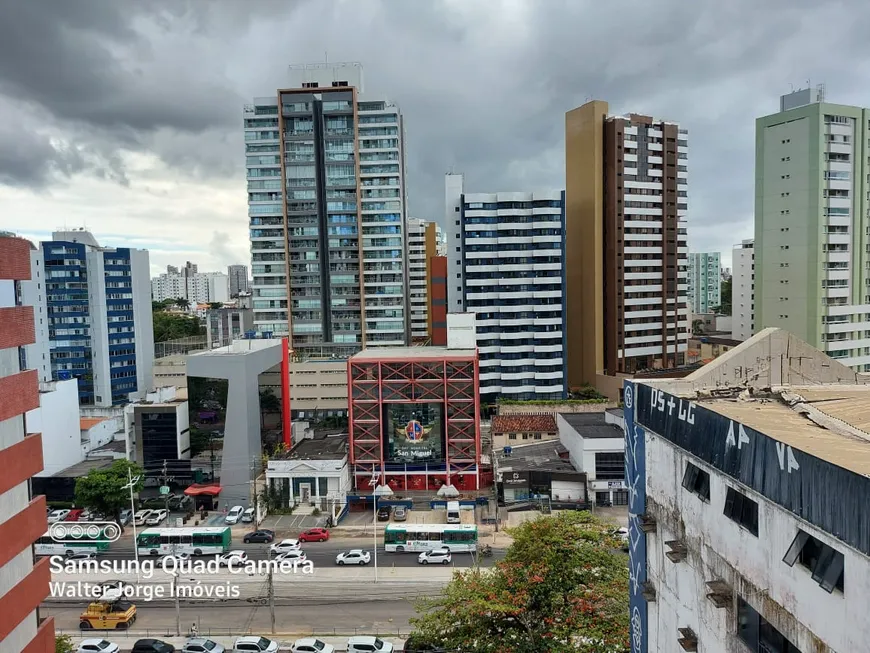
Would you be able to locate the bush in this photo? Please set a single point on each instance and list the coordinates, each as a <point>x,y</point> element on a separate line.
<point>315,512</point>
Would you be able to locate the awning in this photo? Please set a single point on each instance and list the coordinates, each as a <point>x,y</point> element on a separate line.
<point>202,489</point>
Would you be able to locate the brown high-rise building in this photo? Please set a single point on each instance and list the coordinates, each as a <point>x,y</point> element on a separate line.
<point>626,252</point>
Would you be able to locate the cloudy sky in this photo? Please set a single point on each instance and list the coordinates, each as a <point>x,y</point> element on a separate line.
<point>126,116</point>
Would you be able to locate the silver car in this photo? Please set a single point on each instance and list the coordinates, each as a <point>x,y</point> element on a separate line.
<point>202,645</point>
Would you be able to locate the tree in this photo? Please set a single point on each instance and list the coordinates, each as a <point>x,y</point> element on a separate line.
<point>561,587</point>
<point>102,490</point>
<point>724,307</point>
<point>215,305</point>
<point>269,404</point>
<point>63,644</point>
<point>697,327</point>
<point>161,306</point>
<point>182,303</point>
<point>171,326</point>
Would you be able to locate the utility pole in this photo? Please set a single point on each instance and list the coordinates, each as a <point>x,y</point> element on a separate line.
<point>177,604</point>
<point>164,480</point>
<point>271,587</point>
<point>131,483</point>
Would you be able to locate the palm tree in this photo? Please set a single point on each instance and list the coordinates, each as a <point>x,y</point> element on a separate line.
<point>182,303</point>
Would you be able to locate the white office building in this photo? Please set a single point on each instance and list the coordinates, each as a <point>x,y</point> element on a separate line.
<point>743,290</point>
<point>190,284</point>
<point>705,281</point>
<point>327,170</point>
<point>505,256</point>
<point>748,484</point>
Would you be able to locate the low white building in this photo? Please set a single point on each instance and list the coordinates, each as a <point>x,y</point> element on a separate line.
<point>749,483</point>
<point>57,419</point>
<point>314,472</point>
<point>596,447</point>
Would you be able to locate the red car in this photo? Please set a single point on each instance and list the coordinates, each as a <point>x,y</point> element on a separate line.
<point>314,535</point>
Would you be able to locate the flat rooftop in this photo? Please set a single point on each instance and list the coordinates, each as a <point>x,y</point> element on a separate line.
<point>592,425</point>
<point>241,347</point>
<point>540,456</point>
<point>375,353</point>
<point>82,468</point>
<point>323,446</point>
<point>830,422</point>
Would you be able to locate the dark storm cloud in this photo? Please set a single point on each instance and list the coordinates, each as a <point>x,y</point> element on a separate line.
<point>483,85</point>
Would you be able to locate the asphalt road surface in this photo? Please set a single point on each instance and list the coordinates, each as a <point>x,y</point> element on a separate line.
<point>365,616</point>
<point>323,554</point>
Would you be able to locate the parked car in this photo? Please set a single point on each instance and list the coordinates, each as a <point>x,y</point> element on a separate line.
<point>141,516</point>
<point>234,515</point>
<point>202,645</point>
<point>400,513</point>
<point>152,646</point>
<point>239,556</point>
<point>75,515</point>
<point>285,545</point>
<point>181,556</point>
<point>435,557</point>
<point>57,515</point>
<point>368,644</point>
<point>156,517</point>
<point>248,516</point>
<point>255,644</point>
<point>125,516</point>
<point>353,557</point>
<point>384,513</point>
<point>415,644</point>
<point>80,558</point>
<point>314,535</point>
<point>311,645</point>
<point>258,536</point>
<point>112,589</point>
<point>292,556</point>
<point>97,646</point>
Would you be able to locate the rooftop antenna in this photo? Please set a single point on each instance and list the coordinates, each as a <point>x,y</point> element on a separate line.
<point>326,56</point>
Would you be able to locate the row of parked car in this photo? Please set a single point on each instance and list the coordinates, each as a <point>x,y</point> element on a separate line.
<point>248,644</point>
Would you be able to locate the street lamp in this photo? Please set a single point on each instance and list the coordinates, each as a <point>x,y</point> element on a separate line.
<point>130,485</point>
<point>377,491</point>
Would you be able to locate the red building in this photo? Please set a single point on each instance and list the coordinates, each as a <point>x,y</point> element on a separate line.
<point>414,416</point>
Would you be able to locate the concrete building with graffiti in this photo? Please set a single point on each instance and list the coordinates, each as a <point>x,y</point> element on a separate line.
<point>749,481</point>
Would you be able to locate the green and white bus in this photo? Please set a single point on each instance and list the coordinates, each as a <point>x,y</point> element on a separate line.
<point>47,546</point>
<point>195,541</point>
<point>424,537</point>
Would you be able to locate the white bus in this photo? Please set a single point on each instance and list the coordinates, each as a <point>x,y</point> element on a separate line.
<point>46,546</point>
<point>195,540</point>
<point>424,537</point>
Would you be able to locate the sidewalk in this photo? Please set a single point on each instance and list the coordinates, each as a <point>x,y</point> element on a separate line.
<point>126,640</point>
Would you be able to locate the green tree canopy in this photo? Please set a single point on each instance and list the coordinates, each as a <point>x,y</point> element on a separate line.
<point>63,644</point>
<point>561,587</point>
<point>181,302</point>
<point>725,307</point>
<point>161,306</point>
<point>103,490</point>
<point>170,326</point>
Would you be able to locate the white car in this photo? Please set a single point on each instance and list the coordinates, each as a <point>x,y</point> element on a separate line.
<point>353,557</point>
<point>202,645</point>
<point>156,517</point>
<point>141,516</point>
<point>57,515</point>
<point>112,589</point>
<point>435,557</point>
<point>292,556</point>
<point>239,556</point>
<point>248,516</point>
<point>311,645</point>
<point>255,644</point>
<point>177,557</point>
<point>234,515</point>
<point>285,545</point>
<point>368,644</point>
<point>97,645</point>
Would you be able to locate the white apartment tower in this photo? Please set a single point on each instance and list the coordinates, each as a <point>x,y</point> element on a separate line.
<point>190,284</point>
<point>505,256</point>
<point>705,281</point>
<point>743,290</point>
<point>326,188</point>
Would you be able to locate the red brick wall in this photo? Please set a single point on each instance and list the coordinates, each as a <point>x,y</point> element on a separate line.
<point>19,392</point>
<point>20,461</point>
<point>22,530</point>
<point>44,640</point>
<point>14,259</point>
<point>24,597</point>
<point>16,326</point>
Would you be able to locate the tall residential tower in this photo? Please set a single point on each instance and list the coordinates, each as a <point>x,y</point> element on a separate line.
<point>743,290</point>
<point>705,281</point>
<point>811,225</point>
<point>326,199</point>
<point>626,204</point>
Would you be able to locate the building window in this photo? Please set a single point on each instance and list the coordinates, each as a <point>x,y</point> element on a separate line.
<point>610,466</point>
<point>824,563</point>
<point>755,631</point>
<point>742,509</point>
<point>697,481</point>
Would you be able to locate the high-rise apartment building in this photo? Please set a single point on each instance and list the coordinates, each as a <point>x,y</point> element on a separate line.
<point>98,311</point>
<point>23,584</point>
<point>743,290</point>
<point>626,202</point>
<point>190,284</point>
<point>239,282</point>
<point>326,199</point>
<point>505,256</point>
<point>811,224</point>
<point>705,281</point>
<point>425,240</point>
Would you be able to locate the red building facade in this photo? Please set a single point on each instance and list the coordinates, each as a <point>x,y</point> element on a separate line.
<point>414,419</point>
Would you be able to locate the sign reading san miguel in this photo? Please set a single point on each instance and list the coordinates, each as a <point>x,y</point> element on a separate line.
<point>789,477</point>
